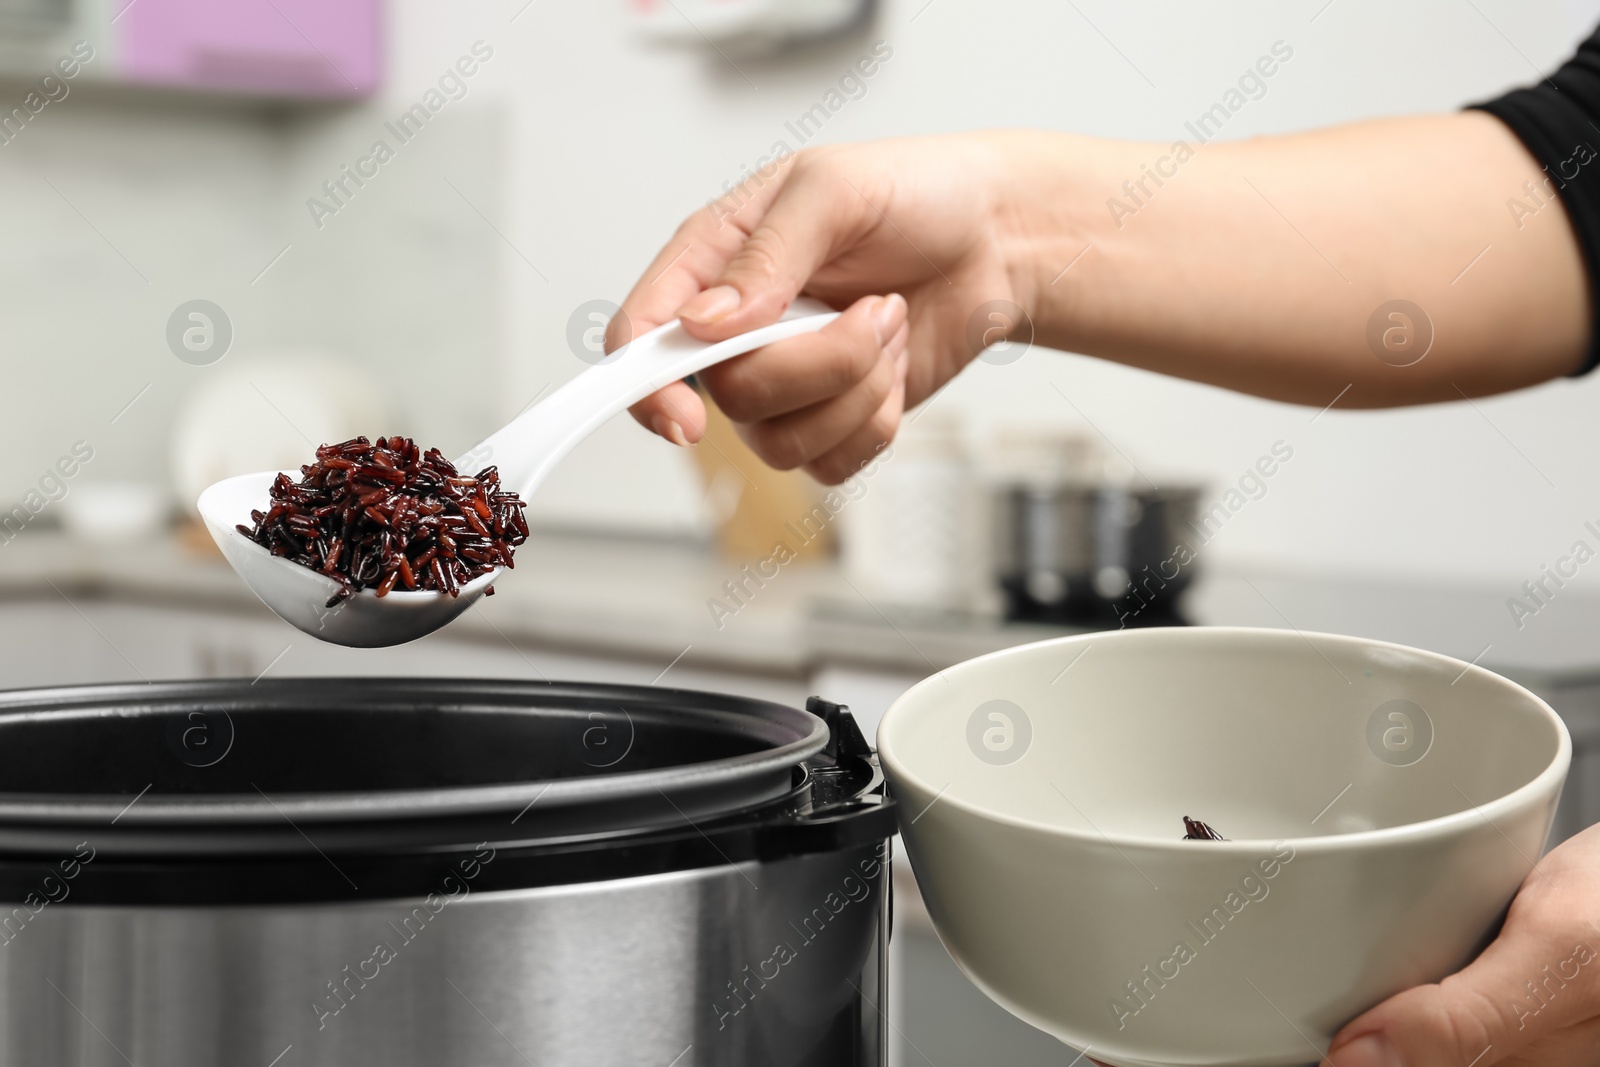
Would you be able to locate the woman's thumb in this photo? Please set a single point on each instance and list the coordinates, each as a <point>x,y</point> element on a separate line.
<point>1517,992</point>
<point>795,237</point>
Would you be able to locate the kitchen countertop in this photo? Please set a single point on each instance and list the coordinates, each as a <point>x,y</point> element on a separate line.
<point>651,599</point>
<point>632,597</point>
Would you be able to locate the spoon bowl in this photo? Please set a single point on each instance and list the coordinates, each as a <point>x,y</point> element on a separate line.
<point>525,450</point>
<point>300,595</point>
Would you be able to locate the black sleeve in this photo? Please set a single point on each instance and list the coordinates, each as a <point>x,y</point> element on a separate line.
<point>1559,121</point>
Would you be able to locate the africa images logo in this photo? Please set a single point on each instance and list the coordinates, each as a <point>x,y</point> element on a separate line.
<point>999,732</point>
<point>1251,85</point>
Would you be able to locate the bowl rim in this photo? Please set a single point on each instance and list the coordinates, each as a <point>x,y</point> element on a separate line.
<point>1546,782</point>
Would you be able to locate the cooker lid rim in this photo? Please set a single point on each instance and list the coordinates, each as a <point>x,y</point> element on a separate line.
<point>807,735</point>
<point>48,809</point>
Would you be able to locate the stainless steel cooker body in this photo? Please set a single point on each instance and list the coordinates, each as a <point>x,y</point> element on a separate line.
<point>752,963</point>
<point>675,878</point>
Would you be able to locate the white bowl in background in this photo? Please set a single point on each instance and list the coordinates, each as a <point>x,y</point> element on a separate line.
<point>270,410</point>
<point>110,512</point>
<point>1383,805</point>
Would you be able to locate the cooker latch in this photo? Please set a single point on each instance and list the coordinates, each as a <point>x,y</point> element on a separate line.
<point>845,738</point>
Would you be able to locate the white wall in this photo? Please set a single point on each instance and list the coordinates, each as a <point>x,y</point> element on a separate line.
<point>583,148</point>
<point>173,199</point>
<point>171,203</point>
<point>616,144</point>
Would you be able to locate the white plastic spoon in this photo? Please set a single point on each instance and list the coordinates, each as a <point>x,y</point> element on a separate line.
<point>526,450</point>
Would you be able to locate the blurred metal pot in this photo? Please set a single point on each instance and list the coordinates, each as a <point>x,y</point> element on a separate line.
<point>1093,554</point>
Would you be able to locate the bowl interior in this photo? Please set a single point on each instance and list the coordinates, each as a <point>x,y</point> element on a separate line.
<point>1262,734</point>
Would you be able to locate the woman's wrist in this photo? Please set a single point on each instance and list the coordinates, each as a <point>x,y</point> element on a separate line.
<point>1049,215</point>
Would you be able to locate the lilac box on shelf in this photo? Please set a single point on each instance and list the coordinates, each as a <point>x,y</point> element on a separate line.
<point>317,49</point>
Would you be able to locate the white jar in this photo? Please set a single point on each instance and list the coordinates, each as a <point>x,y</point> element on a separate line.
<point>912,538</point>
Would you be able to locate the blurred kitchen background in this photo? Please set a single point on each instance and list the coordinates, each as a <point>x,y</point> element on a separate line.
<point>537,154</point>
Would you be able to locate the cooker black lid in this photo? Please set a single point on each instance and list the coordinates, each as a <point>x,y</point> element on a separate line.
<point>239,767</point>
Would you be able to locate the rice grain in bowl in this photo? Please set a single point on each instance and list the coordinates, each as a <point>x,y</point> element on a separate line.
<point>1382,806</point>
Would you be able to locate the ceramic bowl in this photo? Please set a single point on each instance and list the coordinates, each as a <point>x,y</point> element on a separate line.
<point>1382,806</point>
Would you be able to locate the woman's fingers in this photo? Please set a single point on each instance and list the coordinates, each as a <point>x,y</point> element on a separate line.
<point>844,369</point>
<point>873,436</point>
<point>798,397</point>
<point>675,412</point>
<point>807,370</point>
<point>801,437</point>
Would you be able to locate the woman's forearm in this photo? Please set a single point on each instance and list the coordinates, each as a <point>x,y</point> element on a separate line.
<point>1259,265</point>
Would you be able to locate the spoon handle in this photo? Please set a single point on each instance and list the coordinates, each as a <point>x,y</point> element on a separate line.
<point>526,448</point>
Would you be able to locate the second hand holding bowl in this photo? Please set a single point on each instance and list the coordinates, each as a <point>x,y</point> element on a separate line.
<point>526,450</point>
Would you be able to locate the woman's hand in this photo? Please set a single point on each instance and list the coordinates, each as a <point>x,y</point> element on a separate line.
<point>909,236</point>
<point>1532,999</point>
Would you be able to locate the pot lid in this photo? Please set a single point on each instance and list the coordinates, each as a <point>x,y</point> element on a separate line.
<point>354,763</point>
